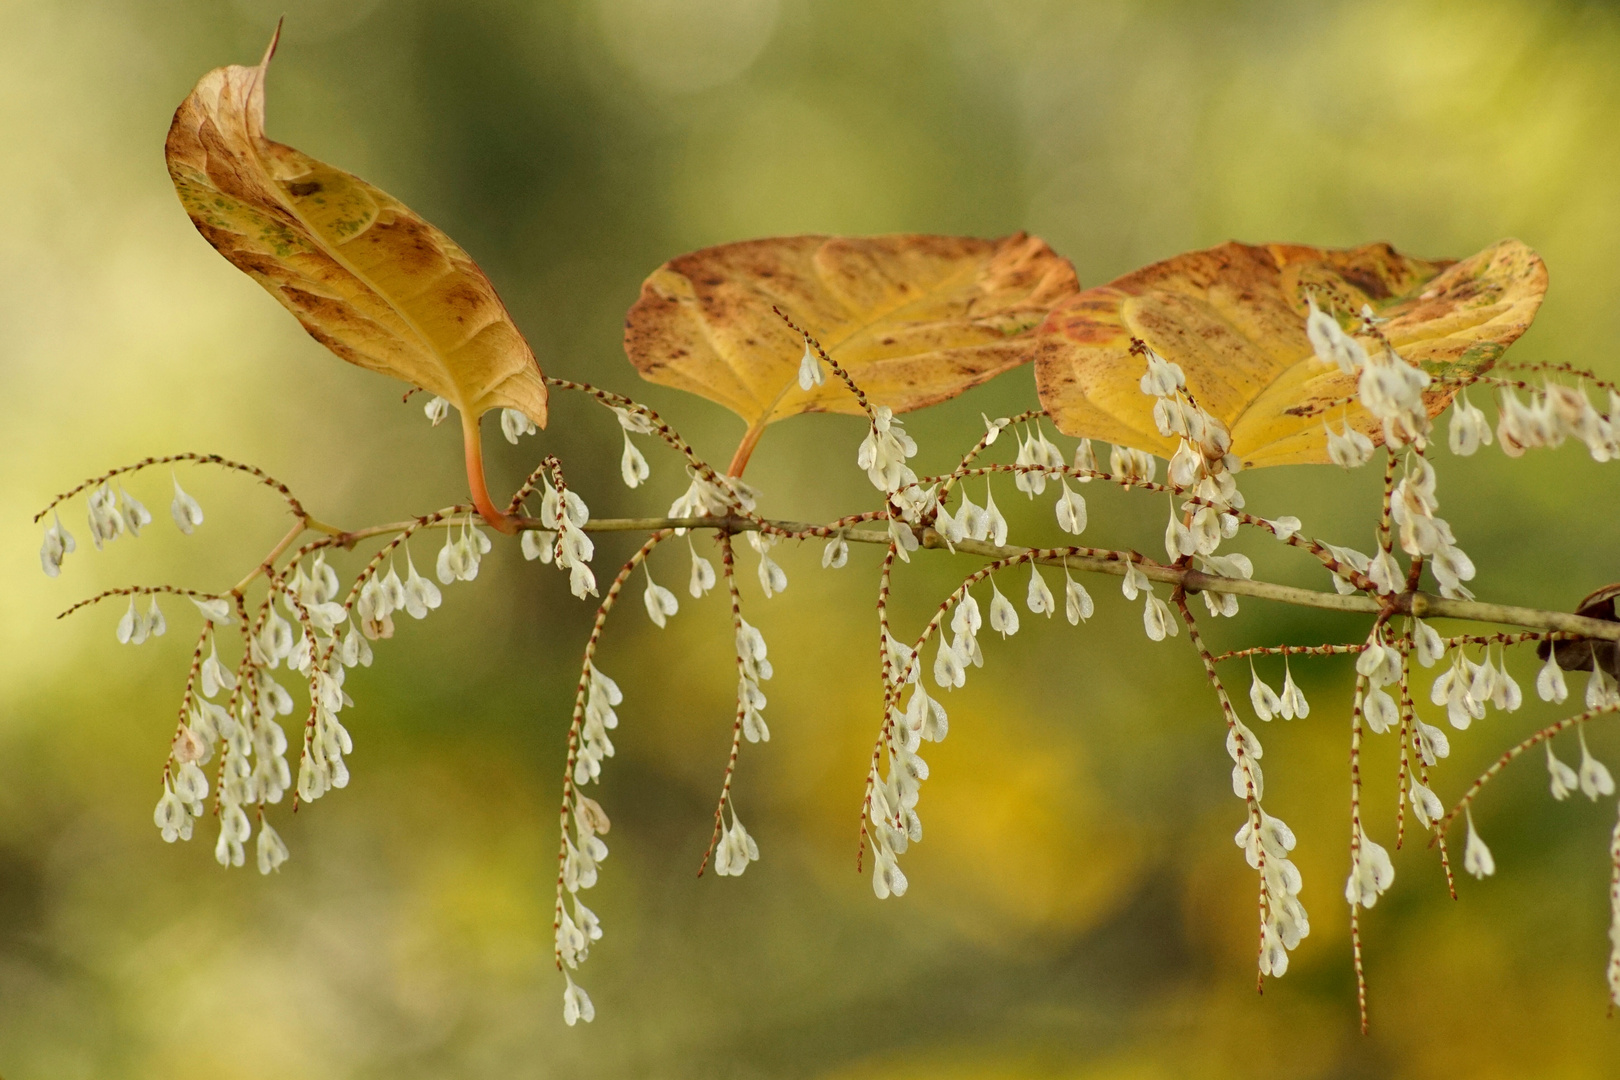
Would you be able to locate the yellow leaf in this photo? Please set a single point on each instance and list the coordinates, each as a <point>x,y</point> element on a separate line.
<point>1233,317</point>
<point>914,319</point>
<point>365,276</point>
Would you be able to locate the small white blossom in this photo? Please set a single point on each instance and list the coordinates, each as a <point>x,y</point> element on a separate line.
<point>1071,510</point>
<point>215,609</point>
<point>1077,603</point>
<point>1426,805</point>
<point>1178,538</point>
<point>660,602</point>
<point>1085,459</point>
<point>1264,699</point>
<point>949,671</point>
<point>1600,689</point>
<point>272,850</point>
<point>538,544</point>
<point>437,409</point>
<point>702,577</point>
<point>1330,343</point>
<point>1432,744</point>
<point>105,518</point>
<point>171,817</point>
<point>736,850</point>
<point>1039,600</point>
<point>185,510</point>
<point>1380,710</point>
<point>1550,685</point>
<point>1134,582</point>
<point>1003,616</point>
<point>1469,429</point>
<point>1594,775</point>
<point>576,1003</point>
<point>1292,703</point>
<point>633,468</point>
<point>515,425</point>
<point>421,595</point>
<point>1285,528</point>
<point>810,373</point>
<point>1565,781</point>
<point>995,525</point>
<point>58,542</point>
<point>1371,873</point>
<point>1157,621</point>
<point>134,513</point>
<point>1477,858</point>
<point>835,554</point>
<point>1349,449</point>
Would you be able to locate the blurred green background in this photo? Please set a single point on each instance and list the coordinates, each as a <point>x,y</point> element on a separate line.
<point>1077,909</point>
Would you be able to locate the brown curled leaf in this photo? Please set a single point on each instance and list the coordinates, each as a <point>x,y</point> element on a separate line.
<point>367,277</point>
<point>914,319</point>
<point>1233,318</point>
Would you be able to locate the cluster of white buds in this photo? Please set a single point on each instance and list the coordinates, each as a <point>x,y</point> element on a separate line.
<point>973,522</point>
<point>577,925</point>
<point>884,451</point>
<point>1466,689</point>
<point>1266,842</point>
<point>136,626</point>
<point>892,802</point>
<point>1593,779</point>
<point>753,668</point>
<point>1349,448</point>
<point>893,807</point>
<point>712,495</point>
<point>383,594</point>
<point>1557,413</point>
<point>633,467</point>
<point>1290,704</point>
<point>252,745</point>
<point>462,552</point>
<point>1036,454</point>
<point>563,515</point>
<point>1614,918</point>
<point>1129,463</point>
<point>323,661</point>
<point>1203,462</point>
<point>1389,387</point>
<point>601,695</point>
<point>1412,508</point>
<point>515,424</point>
<point>1285,921</point>
<point>1380,664</point>
<point>111,514</point>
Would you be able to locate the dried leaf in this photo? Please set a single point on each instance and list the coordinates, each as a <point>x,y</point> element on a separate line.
<point>1233,317</point>
<point>365,276</point>
<point>914,319</point>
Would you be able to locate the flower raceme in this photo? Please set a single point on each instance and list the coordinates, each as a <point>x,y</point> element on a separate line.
<point>310,627</point>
